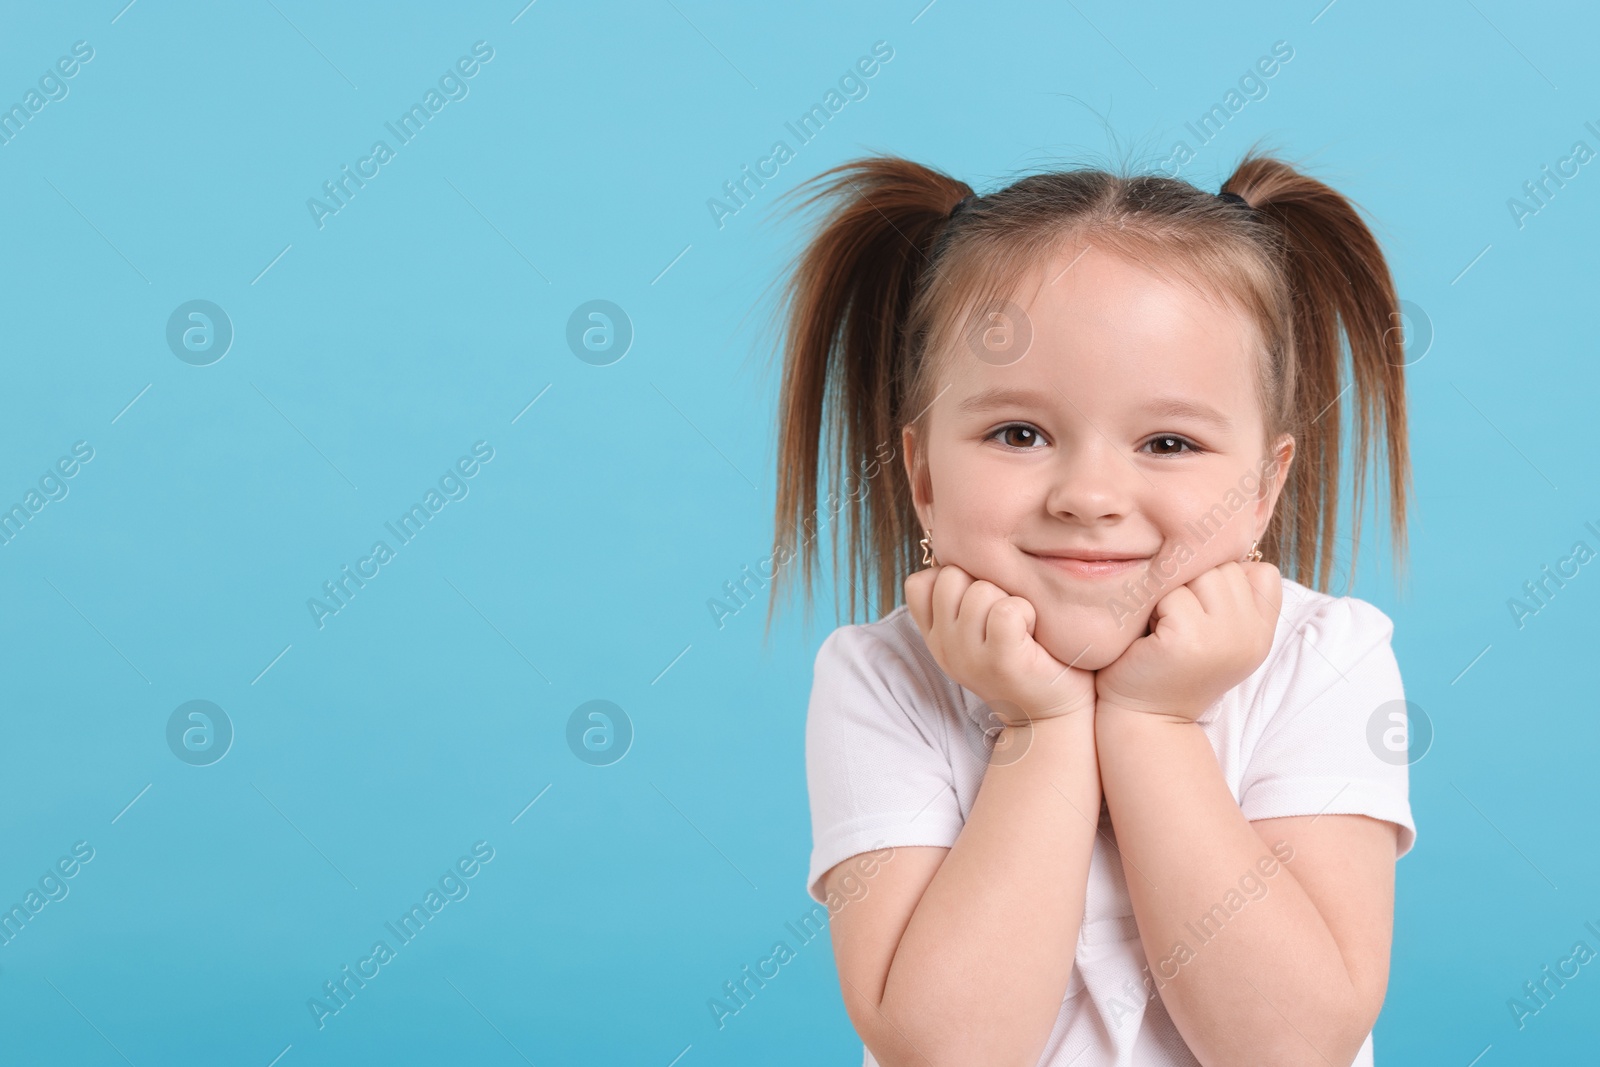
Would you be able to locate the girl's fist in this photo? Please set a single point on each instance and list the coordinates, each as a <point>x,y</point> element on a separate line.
<point>983,639</point>
<point>1205,638</point>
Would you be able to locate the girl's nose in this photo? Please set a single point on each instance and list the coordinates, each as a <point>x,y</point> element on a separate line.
<point>1092,481</point>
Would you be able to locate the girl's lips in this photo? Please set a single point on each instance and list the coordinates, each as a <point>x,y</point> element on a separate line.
<point>1091,568</point>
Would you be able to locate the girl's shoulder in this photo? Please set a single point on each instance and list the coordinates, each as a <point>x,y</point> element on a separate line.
<point>1326,620</point>
<point>890,654</point>
<point>1320,635</point>
<point>892,642</point>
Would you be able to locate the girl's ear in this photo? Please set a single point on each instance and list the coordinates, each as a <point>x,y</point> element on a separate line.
<point>1283,455</point>
<point>916,476</point>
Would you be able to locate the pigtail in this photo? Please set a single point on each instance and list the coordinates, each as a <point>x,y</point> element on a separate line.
<point>1339,281</point>
<point>844,369</point>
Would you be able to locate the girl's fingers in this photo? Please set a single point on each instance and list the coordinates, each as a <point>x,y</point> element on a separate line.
<point>1182,601</point>
<point>1228,591</point>
<point>976,603</point>
<point>1011,620</point>
<point>1244,592</point>
<point>1215,589</point>
<point>948,588</point>
<point>1236,590</point>
<point>1266,590</point>
<point>919,599</point>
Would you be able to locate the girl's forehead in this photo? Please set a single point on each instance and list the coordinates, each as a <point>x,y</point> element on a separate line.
<point>1100,294</point>
<point>1099,323</point>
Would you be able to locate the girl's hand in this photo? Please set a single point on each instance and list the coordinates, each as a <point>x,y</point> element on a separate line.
<point>983,639</point>
<point>1205,638</point>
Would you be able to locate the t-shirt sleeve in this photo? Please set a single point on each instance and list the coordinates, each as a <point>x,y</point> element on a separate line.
<point>1335,741</point>
<point>876,770</point>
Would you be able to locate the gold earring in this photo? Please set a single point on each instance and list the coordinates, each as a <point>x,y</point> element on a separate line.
<point>927,550</point>
<point>1255,553</point>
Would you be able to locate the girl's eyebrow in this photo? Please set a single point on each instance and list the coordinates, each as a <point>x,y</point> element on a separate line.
<point>1176,407</point>
<point>999,398</point>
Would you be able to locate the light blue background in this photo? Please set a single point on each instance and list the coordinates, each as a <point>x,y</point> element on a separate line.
<point>429,313</point>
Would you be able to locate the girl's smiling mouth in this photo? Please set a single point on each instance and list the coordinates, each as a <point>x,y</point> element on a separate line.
<point>1101,565</point>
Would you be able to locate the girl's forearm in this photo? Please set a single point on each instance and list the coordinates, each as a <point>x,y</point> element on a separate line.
<point>983,965</point>
<point>1272,986</point>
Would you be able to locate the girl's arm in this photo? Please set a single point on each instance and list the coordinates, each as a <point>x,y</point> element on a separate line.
<point>962,955</point>
<point>1294,976</point>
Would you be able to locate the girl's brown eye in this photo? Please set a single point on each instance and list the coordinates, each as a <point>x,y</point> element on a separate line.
<point>1167,438</point>
<point>1021,437</point>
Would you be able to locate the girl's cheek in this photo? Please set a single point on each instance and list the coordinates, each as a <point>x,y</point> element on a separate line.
<point>1187,563</point>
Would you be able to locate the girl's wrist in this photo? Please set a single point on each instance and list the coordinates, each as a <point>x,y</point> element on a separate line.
<point>1082,715</point>
<point>1112,716</point>
<point>1062,741</point>
<point>1074,728</point>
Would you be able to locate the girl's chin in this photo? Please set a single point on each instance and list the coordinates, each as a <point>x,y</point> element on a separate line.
<point>1096,658</point>
<point>1090,645</point>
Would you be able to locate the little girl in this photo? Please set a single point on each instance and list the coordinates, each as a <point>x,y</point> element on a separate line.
<point>1107,788</point>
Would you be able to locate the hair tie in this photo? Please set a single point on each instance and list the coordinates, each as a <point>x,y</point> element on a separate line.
<point>1235,197</point>
<point>961,205</point>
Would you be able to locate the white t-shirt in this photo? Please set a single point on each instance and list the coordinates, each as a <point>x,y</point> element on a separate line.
<point>895,752</point>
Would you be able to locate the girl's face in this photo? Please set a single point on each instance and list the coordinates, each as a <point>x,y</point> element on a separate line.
<point>1128,427</point>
